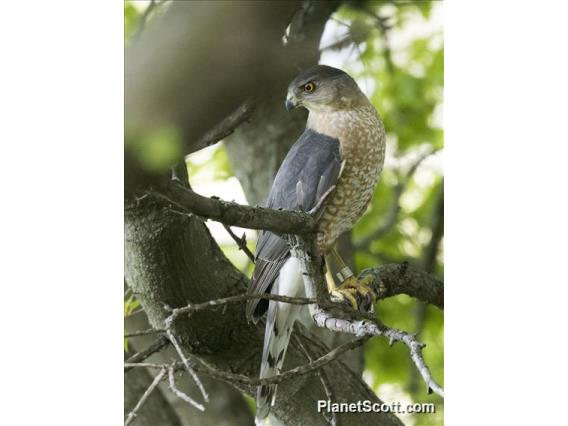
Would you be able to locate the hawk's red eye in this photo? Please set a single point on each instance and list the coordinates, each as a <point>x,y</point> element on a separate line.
<point>309,87</point>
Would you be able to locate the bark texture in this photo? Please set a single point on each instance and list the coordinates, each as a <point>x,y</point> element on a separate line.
<point>172,260</point>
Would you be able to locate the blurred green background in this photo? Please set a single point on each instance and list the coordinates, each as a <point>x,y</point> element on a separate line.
<point>395,52</point>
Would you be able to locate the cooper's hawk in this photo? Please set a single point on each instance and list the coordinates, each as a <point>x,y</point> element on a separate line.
<point>333,167</point>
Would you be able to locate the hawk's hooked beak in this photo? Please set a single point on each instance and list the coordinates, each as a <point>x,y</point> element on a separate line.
<point>291,103</point>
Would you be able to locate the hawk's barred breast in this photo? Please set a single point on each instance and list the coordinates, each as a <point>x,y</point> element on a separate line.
<point>361,134</point>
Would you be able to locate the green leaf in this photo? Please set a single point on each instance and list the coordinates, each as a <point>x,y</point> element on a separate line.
<point>131,20</point>
<point>130,305</point>
<point>159,149</point>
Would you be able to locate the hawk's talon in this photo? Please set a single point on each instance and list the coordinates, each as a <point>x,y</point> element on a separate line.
<point>358,293</point>
<point>344,296</point>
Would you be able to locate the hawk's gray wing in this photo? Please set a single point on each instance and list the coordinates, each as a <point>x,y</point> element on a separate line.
<point>309,170</point>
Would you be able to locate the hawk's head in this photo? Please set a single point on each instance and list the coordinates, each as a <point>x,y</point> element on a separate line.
<point>323,88</point>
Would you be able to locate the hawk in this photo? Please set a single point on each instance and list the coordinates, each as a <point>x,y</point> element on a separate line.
<point>332,168</point>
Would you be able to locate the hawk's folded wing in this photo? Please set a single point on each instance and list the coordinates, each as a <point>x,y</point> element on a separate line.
<point>310,169</point>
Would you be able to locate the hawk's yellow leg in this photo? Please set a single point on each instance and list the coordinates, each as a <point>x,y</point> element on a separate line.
<point>331,287</point>
<point>357,292</point>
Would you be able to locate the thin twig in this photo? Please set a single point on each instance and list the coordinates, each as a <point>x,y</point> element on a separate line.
<point>199,365</point>
<point>175,313</point>
<point>227,126</point>
<point>130,365</point>
<point>361,328</point>
<point>330,396</point>
<point>185,361</point>
<point>179,393</point>
<point>157,345</point>
<point>374,328</point>
<point>241,242</point>
<point>236,299</point>
<point>323,379</point>
<point>145,396</point>
<point>144,332</point>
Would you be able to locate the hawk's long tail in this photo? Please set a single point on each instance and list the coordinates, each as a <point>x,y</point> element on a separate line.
<point>279,322</point>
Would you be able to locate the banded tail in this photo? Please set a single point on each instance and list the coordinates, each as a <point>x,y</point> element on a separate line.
<point>279,322</point>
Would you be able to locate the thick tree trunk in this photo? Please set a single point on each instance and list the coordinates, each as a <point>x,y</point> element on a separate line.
<point>172,260</point>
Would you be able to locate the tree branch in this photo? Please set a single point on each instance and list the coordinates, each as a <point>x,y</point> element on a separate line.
<point>241,242</point>
<point>334,421</point>
<point>361,328</point>
<point>188,368</point>
<point>172,260</point>
<point>431,250</point>
<point>198,365</point>
<point>158,345</point>
<point>227,126</point>
<point>189,309</point>
<point>389,280</point>
<point>312,273</point>
<point>401,278</point>
<point>145,396</point>
<point>143,332</point>
<point>233,214</point>
<point>179,393</point>
<point>374,328</point>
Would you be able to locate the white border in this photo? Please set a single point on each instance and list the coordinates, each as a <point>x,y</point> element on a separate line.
<point>61,238</point>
